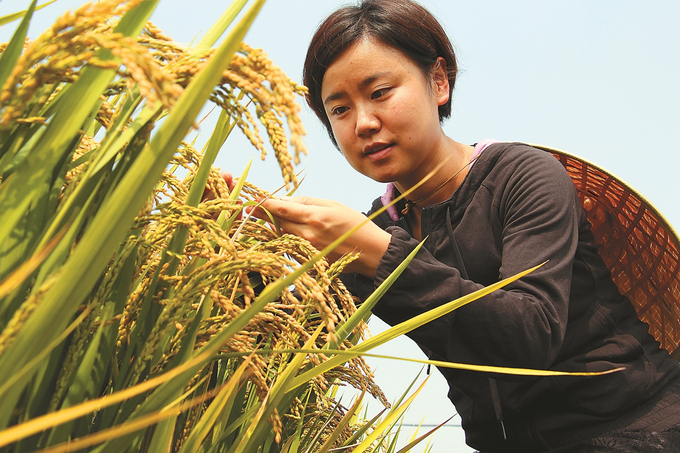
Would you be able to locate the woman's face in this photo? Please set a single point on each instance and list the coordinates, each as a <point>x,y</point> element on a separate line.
<point>384,111</point>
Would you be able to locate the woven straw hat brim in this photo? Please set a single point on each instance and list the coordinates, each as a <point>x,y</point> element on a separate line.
<point>636,243</point>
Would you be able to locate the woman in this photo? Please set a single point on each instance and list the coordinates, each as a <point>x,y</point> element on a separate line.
<point>380,78</point>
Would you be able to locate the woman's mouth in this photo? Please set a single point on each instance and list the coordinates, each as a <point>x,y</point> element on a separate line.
<point>378,150</point>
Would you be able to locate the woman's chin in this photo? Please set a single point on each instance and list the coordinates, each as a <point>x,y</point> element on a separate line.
<point>384,179</point>
<point>383,175</point>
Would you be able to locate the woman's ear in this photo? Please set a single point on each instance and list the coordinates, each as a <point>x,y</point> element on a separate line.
<point>440,79</point>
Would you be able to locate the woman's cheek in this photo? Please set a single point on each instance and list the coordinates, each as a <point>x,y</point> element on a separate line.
<point>345,136</point>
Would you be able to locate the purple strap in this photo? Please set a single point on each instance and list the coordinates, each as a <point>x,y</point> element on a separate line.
<point>388,196</point>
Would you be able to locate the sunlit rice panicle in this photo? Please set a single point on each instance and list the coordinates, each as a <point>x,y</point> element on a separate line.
<point>233,272</point>
<point>155,34</point>
<point>277,426</point>
<point>70,363</point>
<point>274,97</point>
<point>20,316</point>
<point>250,79</point>
<point>74,42</point>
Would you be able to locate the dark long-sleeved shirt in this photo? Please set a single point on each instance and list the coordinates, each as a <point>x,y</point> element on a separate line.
<point>518,208</point>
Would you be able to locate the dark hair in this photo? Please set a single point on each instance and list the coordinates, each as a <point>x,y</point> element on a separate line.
<point>402,24</point>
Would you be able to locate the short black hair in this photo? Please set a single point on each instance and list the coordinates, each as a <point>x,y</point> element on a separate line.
<point>402,24</point>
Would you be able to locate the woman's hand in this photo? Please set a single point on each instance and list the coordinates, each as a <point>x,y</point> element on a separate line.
<point>228,178</point>
<point>323,221</point>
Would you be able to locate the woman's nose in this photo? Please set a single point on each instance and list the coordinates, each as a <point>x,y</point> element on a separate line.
<point>367,123</point>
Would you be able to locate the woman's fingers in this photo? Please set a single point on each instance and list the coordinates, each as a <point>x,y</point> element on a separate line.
<point>229,179</point>
<point>322,222</point>
<point>310,201</point>
<point>290,216</point>
<point>289,209</point>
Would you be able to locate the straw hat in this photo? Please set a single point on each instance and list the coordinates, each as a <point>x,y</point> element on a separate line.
<point>637,244</point>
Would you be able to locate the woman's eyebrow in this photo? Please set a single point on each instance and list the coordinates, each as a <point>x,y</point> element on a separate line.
<point>333,97</point>
<point>363,84</point>
<point>369,80</point>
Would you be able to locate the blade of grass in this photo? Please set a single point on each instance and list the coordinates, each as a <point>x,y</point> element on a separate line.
<point>4,20</point>
<point>12,52</point>
<point>343,424</point>
<point>20,274</point>
<point>389,420</point>
<point>415,442</point>
<point>349,353</point>
<point>407,326</point>
<point>218,28</point>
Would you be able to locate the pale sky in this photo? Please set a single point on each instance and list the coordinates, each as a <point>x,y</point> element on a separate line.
<point>597,78</point>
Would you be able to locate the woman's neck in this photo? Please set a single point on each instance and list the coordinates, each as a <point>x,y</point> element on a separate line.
<point>448,170</point>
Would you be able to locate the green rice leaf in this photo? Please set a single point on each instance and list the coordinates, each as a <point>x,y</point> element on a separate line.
<point>11,55</point>
<point>349,353</point>
<point>16,278</point>
<point>9,18</point>
<point>407,326</point>
<point>364,311</point>
<point>388,421</point>
<point>219,27</point>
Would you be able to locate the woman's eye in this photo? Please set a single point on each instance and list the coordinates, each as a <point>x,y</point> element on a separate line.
<point>339,110</point>
<point>379,93</point>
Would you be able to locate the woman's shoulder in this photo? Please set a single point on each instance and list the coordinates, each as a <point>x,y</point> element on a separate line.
<point>519,152</point>
<point>515,159</point>
<point>517,168</point>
